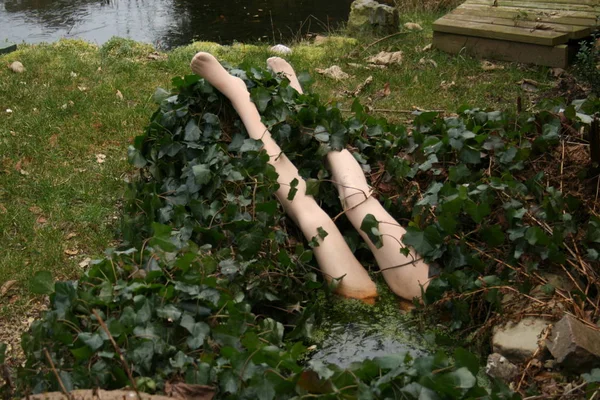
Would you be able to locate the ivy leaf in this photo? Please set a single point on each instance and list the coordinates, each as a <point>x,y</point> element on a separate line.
<point>92,340</point>
<point>169,312</point>
<point>198,334</point>
<point>202,174</point>
<point>251,145</point>
<point>192,131</point>
<point>370,226</point>
<point>136,158</point>
<point>425,242</point>
<point>162,237</point>
<point>293,189</point>
<point>477,211</point>
<point>2,353</point>
<point>493,235</point>
<point>312,187</point>
<point>470,155</point>
<point>536,236</point>
<point>261,97</point>
<point>160,94</point>
<point>464,358</point>
<point>42,283</point>
<point>321,369</point>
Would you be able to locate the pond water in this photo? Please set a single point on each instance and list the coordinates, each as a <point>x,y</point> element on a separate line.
<point>167,23</point>
<point>356,342</point>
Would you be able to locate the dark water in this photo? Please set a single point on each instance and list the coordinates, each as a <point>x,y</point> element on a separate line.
<point>167,23</point>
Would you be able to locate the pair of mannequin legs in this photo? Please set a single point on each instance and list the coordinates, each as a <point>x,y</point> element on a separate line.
<point>406,275</point>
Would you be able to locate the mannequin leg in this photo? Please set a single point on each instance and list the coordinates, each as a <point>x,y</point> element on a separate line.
<point>333,254</point>
<point>404,280</point>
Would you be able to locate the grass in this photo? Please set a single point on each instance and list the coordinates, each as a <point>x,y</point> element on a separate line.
<point>60,205</point>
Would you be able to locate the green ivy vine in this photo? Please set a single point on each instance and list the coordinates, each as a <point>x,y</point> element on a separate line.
<point>214,285</point>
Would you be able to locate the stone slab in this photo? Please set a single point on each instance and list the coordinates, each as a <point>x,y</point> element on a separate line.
<point>518,342</point>
<point>574,345</point>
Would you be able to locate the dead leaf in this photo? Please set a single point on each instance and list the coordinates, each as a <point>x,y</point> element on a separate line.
<point>411,26</point>
<point>383,92</point>
<point>187,391</point>
<point>542,27</point>
<point>119,95</point>
<point>52,140</point>
<point>35,210</point>
<point>489,66</point>
<point>427,48</point>
<point>70,252</point>
<point>424,61</point>
<point>6,287</point>
<point>100,158</point>
<point>359,88</point>
<point>70,235</point>
<point>557,72</point>
<point>333,72</point>
<point>86,262</point>
<point>154,56</point>
<point>447,85</point>
<point>82,88</point>
<point>41,220</point>
<point>319,39</point>
<point>2,209</point>
<point>386,58</point>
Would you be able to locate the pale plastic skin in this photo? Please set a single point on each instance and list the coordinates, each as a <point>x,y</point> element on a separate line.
<point>405,275</point>
<point>333,255</point>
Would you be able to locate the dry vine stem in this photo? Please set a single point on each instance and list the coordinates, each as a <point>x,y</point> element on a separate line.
<point>406,275</point>
<point>333,254</point>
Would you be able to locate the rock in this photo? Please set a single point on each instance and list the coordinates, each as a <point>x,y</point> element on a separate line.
<point>17,67</point>
<point>499,367</point>
<point>574,345</point>
<point>280,49</point>
<point>518,342</point>
<point>369,15</point>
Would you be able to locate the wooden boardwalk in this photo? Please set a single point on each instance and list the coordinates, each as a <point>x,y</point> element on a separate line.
<point>530,31</point>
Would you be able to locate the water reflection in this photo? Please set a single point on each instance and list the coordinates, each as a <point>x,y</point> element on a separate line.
<point>167,23</point>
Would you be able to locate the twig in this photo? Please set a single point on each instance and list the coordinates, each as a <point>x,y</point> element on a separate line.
<point>565,394</point>
<point>381,40</point>
<point>60,382</point>
<point>116,347</point>
<point>562,164</point>
<point>396,111</point>
<point>546,333</point>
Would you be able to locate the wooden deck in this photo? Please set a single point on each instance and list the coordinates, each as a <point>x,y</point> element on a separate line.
<point>527,31</point>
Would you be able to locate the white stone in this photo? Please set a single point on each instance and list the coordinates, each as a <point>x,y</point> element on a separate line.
<point>281,49</point>
<point>518,342</point>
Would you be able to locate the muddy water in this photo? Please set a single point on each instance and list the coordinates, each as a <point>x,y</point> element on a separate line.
<point>167,23</point>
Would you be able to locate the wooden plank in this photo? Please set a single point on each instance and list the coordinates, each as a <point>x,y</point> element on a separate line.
<point>511,33</point>
<point>567,2</point>
<point>539,6</point>
<point>573,32</point>
<point>556,56</point>
<point>526,15</point>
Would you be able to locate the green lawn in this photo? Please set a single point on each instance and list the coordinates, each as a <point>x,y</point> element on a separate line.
<point>75,103</point>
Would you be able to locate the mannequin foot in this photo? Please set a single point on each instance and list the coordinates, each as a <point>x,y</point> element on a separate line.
<point>279,65</point>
